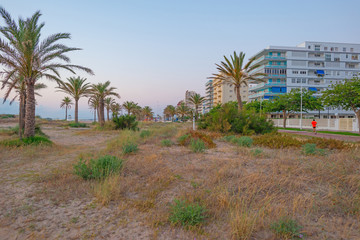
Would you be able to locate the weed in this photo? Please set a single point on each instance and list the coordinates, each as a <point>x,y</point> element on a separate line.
<point>287,228</point>
<point>196,135</point>
<point>244,141</point>
<point>129,147</point>
<point>230,138</point>
<point>197,145</point>
<point>166,143</point>
<point>36,140</point>
<point>145,133</point>
<point>183,138</point>
<point>74,220</point>
<point>276,140</point>
<point>311,149</point>
<point>99,168</point>
<point>187,214</point>
<point>78,125</point>
<point>256,152</point>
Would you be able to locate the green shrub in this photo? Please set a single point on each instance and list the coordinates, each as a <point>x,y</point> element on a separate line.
<point>311,149</point>
<point>230,138</point>
<point>129,147</point>
<point>187,214</point>
<point>256,152</point>
<point>197,145</point>
<point>227,118</point>
<point>287,228</point>
<point>182,139</point>
<point>126,122</point>
<point>98,168</point>
<point>327,143</point>
<point>166,143</point>
<point>36,140</point>
<point>5,116</point>
<point>78,125</point>
<point>244,141</point>
<point>145,133</point>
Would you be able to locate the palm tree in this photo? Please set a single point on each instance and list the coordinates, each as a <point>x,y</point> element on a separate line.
<point>76,88</point>
<point>115,109</point>
<point>101,91</point>
<point>182,110</point>
<point>233,72</point>
<point>147,112</point>
<point>196,100</point>
<point>23,54</point>
<point>170,111</point>
<point>94,104</point>
<point>129,106</point>
<point>66,103</point>
<point>109,101</point>
<point>18,85</point>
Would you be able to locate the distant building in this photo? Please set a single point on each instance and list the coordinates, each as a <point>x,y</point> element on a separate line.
<point>209,96</point>
<point>313,66</point>
<point>188,95</point>
<point>224,92</point>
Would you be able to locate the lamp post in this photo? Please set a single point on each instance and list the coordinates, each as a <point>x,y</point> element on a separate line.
<point>194,126</point>
<point>301,104</point>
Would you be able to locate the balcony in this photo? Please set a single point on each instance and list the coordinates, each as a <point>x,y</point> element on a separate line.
<point>266,85</point>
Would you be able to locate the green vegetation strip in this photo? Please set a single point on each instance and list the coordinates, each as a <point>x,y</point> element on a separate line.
<point>328,132</point>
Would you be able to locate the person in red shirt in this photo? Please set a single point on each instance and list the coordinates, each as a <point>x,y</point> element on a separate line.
<point>313,123</point>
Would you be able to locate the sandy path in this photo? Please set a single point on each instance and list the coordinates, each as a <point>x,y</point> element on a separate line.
<point>324,135</point>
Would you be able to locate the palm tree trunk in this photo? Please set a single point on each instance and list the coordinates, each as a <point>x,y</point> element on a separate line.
<point>284,116</point>
<point>20,116</point>
<point>23,111</point>
<point>76,110</point>
<point>65,113</point>
<point>102,120</point>
<point>30,109</point>
<point>128,111</point>
<point>238,96</point>
<point>94,114</point>
<point>98,113</point>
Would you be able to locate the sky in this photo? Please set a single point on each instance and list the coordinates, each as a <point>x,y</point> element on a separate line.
<point>153,51</point>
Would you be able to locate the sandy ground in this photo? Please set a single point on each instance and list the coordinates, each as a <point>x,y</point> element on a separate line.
<point>324,135</point>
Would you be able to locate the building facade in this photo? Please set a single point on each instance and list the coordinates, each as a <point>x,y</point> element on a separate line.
<point>313,66</point>
<point>224,92</point>
<point>209,96</point>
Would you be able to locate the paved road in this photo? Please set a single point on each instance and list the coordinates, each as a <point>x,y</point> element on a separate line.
<point>325,135</point>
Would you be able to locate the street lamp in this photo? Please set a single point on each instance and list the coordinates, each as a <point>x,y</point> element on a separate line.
<point>301,104</point>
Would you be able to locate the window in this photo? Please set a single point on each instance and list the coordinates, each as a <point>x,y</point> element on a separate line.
<point>230,90</point>
<point>317,47</point>
<point>351,66</point>
<point>344,49</point>
<point>293,80</point>
<point>282,71</point>
<point>347,56</point>
<point>295,72</point>
<point>317,64</point>
<point>309,47</point>
<point>331,49</point>
<point>317,55</point>
<point>354,57</point>
<point>351,49</point>
<point>336,49</point>
<point>325,48</point>
<point>302,72</point>
<point>303,80</point>
<point>327,57</point>
<point>337,59</point>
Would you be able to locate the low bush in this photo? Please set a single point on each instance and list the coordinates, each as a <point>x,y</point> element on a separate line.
<point>287,228</point>
<point>145,133</point>
<point>311,149</point>
<point>126,122</point>
<point>327,143</point>
<point>5,116</point>
<point>166,143</point>
<point>78,125</point>
<point>197,145</point>
<point>256,152</point>
<point>36,140</point>
<point>98,168</point>
<point>227,118</point>
<point>276,140</point>
<point>129,147</point>
<point>230,138</point>
<point>185,140</point>
<point>187,214</point>
<point>244,141</point>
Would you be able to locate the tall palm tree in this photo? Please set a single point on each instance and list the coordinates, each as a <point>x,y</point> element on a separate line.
<point>196,101</point>
<point>101,91</point>
<point>66,103</point>
<point>232,72</point>
<point>23,54</point>
<point>76,88</point>
<point>109,101</point>
<point>170,111</point>
<point>147,112</point>
<point>182,110</point>
<point>94,104</point>
<point>129,106</point>
<point>17,85</point>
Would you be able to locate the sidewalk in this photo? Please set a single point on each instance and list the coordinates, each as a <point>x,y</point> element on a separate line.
<point>324,135</point>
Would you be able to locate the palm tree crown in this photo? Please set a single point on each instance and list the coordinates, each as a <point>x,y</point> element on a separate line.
<point>232,72</point>
<point>66,103</point>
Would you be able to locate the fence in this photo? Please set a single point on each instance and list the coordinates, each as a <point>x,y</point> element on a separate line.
<point>336,124</point>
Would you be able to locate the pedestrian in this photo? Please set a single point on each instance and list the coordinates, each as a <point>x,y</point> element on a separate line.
<point>313,123</point>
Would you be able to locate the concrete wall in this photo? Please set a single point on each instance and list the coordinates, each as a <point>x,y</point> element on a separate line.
<point>338,124</point>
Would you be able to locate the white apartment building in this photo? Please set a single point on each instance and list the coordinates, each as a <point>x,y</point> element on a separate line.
<point>310,65</point>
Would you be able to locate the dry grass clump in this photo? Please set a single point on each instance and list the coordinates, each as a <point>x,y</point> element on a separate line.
<point>186,139</point>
